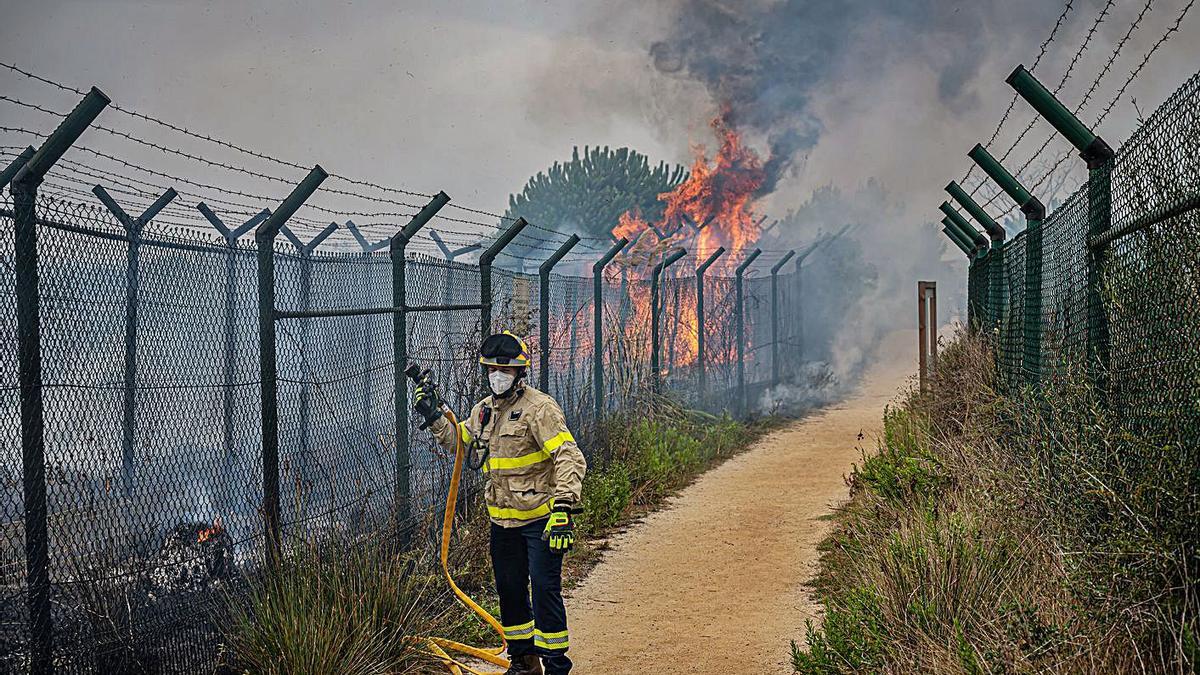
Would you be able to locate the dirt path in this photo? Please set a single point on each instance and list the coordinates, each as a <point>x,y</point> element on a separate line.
<point>714,583</point>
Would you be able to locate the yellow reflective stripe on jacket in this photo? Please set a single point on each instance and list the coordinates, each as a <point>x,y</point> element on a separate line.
<point>517,462</point>
<point>542,455</point>
<point>557,640</point>
<point>464,433</point>
<point>522,632</point>
<point>519,514</point>
<point>553,444</point>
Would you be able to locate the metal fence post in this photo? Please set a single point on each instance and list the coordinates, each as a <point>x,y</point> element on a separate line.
<point>1099,158</point>
<point>740,325</point>
<point>544,309</point>
<point>230,337</point>
<point>700,318</point>
<point>655,302</point>
<point>997,279</point>
<point>133,229</point>
<point>16,165</point>
<point>598,326</point>
<point>485,284</point>
<point>1099,222</point>
<point>1035,213</point>
<point>775,316</point>
<point>448,278</point>
<point>264,239</point>
<point>28,176</point>
<point>402,506</point>
<point>977,310</point>
<point>922,339</point>
<point>798,302</point>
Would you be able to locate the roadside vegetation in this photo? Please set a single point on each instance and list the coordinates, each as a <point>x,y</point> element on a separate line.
<point>350,608</point>
<point>1008,534</point>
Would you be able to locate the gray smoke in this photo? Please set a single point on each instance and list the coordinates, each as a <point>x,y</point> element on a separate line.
<point>762,61</point>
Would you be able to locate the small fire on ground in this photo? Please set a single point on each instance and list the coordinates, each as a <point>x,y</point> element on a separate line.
<point>210,532</point>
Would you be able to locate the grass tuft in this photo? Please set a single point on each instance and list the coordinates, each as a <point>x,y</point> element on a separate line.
<point>338,609</point>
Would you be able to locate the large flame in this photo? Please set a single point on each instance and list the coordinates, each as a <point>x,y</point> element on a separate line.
<point>714,207</point>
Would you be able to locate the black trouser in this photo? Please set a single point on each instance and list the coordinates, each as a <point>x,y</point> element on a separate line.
<point>519,557</point>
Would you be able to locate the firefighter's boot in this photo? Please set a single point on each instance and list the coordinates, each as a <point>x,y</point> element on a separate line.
<point>526,664</point>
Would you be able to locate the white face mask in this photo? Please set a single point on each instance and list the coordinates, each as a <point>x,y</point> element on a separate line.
<point>500,381</point>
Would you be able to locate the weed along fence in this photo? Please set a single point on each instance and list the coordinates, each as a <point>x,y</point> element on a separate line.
<point>182,405</point>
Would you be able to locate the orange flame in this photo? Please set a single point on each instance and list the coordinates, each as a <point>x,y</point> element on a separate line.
<point>210,532</point>
<point>712,208</point>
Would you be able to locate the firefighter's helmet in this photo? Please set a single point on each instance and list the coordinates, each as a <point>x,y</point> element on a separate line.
<point>504,349</point>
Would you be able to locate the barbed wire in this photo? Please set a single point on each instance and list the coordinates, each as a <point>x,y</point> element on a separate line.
<point>1036,118</point>
<point>1133,75</point>
<point>1137,22</point>
<point>192,220</point>
<point>263,156</point>
<point>1013,101</point>
<point>1087,40</point>
<point>204,160</point>
<point>526,241</point>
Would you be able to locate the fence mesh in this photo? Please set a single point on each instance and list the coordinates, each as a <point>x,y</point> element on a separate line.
<point>1125,309</point>
<point>151,384</point>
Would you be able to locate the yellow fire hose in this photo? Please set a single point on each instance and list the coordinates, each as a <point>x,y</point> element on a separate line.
<point>440,647</point>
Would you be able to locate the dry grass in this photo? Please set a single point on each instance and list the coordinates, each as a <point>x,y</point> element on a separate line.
<point>974,542</point>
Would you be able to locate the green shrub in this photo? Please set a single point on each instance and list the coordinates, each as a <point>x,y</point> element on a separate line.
<point>852,637</point>
<point>606,495</point>
<point>903,469</point>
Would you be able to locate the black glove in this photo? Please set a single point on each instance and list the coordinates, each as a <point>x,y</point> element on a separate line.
<point>426,401</point>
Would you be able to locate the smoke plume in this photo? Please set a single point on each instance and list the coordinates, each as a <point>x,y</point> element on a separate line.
<point>762,61</point>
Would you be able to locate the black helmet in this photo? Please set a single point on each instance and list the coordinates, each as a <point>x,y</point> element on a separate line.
<point>504,349</point>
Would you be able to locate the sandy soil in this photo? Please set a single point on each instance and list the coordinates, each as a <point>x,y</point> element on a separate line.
<point>715,582</point>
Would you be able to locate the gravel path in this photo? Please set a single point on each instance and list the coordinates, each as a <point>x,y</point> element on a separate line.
<point>715,582</point>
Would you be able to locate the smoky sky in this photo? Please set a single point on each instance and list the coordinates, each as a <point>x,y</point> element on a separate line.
<point>762,62</point>
<point>474,97</point>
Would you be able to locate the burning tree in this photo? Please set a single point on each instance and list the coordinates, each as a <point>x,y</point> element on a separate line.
<point>713,208</point>
<point>591,192</point>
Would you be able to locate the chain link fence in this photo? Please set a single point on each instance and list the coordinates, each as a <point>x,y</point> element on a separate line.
<point>154,470</point>
<point>1108,284</point>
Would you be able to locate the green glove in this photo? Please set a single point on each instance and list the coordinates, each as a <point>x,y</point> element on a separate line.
<point>426,402</point>
<point>559,530</point>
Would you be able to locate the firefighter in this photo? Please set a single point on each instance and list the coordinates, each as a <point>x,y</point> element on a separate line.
<point>534,472</point>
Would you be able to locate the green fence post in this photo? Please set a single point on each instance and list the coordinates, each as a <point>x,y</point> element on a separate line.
<point>16,165</point>
<point>740,328</point>
<point>988,304</point>
<point>1099,158</point>
<point>775,316</point>
<point>655,302</point>
<point>952,233</point>
<point>485,285</point>
<point>401,499</point>
<point>1035,213</point>
<point>544,309</point>
<point>24,185</point>
<point>598,327</point>
<point>700,339</point>
<point>230,338</point>
<point>133,231</point>
<point>264,239</point>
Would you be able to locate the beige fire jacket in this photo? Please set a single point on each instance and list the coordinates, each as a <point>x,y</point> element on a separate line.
<point>532,459</point>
